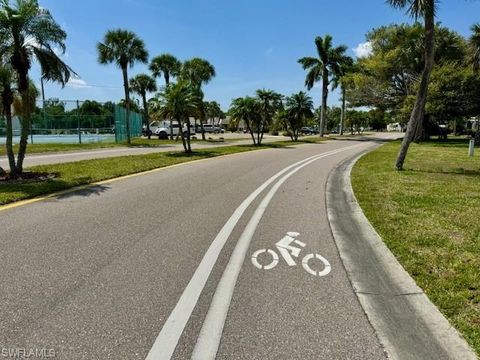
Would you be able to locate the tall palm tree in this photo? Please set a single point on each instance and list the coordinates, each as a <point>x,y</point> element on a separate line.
<point>321,68</point>
<point>269,103</point>
<point>340,80</point>
<point>198,72</point>
<point>299,107</point>
<point>179,101</point>
<point>425,9</point>
<point>28,32</point>
<point>475,46</point>
<point>213,110</point>
<point>169,66</point>
<point>123,48</point>
<point>141,85</point>
<point>247,109</point>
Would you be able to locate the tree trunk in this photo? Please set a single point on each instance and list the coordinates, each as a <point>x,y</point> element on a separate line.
<point>145,114</point>
<point>189,146</point>
<point>324,102</point>
<point>342,114</point>
<point>7,98</point>
<point>180,132</point>
<point>250,131</point>
<point>127,103</point>
<point>415,124</point>
<point>203,129</point>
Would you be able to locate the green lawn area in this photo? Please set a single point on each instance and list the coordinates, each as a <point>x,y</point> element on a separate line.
<point>429,216</point>
<point>136,142</point>
<point>73,174</point>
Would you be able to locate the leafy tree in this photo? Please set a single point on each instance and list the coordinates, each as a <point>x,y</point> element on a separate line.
<point>179,101</point>
<point>425,9</point>
<point>298,108</point>
<point>322,68</point>
<point>198,72</point>
<point>123,48</point>
<point>143,84</point>
<point>28,32</point>
<point>248,109</point>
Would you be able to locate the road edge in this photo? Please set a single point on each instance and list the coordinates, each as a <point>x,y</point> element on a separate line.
<point>380,281</point>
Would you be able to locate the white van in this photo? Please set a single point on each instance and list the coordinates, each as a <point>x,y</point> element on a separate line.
<point>162,129</point>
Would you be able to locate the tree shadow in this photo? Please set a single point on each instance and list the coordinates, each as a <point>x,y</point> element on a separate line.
<point>84,192</point>
<point>455,171</point>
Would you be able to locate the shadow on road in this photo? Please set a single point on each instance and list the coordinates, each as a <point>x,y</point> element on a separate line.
<point>86,192</point>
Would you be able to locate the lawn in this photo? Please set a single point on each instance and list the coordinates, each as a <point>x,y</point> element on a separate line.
<point>429,216</point>
<point>136,142</point>
<point>78,173</point>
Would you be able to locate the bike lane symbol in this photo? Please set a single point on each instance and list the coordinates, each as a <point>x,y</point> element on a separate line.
<point>289,248</point>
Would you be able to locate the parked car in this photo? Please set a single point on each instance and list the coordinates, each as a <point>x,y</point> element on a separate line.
<point>308,131</point>
<point>162,129</point>
<point>210,129</point>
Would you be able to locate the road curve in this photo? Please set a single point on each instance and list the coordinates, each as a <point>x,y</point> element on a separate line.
<point>98,273</point>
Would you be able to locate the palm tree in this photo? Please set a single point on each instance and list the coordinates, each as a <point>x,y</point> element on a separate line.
<point>141,85</point>
<point>248,110</point>
<point>427,10</point>
<point>298,108</point>
<point>198,72</point>
<point>165,64</point>
<point>213,110</point>
<point>179,101</point>
<point>475,46</point>
<point>340,79</point>
<point>124,48</point>
<point>169,66</point>
<point>321,68</point>
<point>28,33</point>
<point>269,103</point>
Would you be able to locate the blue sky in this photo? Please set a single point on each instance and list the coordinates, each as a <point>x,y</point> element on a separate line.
<point>252,43</point>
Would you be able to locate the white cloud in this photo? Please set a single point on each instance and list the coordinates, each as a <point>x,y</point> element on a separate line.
<point>363,49</point>
<point>76,83</point>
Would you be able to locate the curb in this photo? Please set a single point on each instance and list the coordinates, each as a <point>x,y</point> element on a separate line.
<point>407,323</point>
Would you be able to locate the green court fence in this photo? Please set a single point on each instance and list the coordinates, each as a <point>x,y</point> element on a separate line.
<point>136,122</point>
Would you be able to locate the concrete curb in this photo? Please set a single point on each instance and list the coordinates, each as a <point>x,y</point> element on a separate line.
<point>407,324</point>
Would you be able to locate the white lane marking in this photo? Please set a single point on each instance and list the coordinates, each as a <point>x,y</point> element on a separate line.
<point>167,339</point>
<point>210,335</point>
<point>325,262</point>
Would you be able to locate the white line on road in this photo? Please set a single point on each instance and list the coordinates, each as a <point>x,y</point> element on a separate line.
<point>211,333</point>
<point>167,340</point>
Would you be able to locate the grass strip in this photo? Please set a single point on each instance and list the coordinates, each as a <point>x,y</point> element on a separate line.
<point>68,175</point>
<point>429,217</point>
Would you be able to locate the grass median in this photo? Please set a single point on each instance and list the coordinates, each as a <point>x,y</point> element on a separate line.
<point>67,175</point>
<point>429,216</point>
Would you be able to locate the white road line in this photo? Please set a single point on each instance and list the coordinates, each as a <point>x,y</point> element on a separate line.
<point>167,340</point>
<point>211,333</point>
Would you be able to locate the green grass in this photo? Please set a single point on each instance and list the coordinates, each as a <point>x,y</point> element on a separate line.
<point>73,174</point>
<point>136,142</point>
<point>429,216</point>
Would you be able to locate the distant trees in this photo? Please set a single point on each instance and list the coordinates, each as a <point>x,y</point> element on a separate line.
<point>123,48</point>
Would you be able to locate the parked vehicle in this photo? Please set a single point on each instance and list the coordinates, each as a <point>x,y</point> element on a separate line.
<point>162,129</point>
<point>210,129</point>
<point>308,131</point>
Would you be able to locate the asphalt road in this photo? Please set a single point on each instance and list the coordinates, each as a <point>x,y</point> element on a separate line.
<point>70,156</point>
<point>160,266</point>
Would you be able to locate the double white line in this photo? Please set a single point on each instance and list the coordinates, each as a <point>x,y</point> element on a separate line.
<point>211,332</point>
